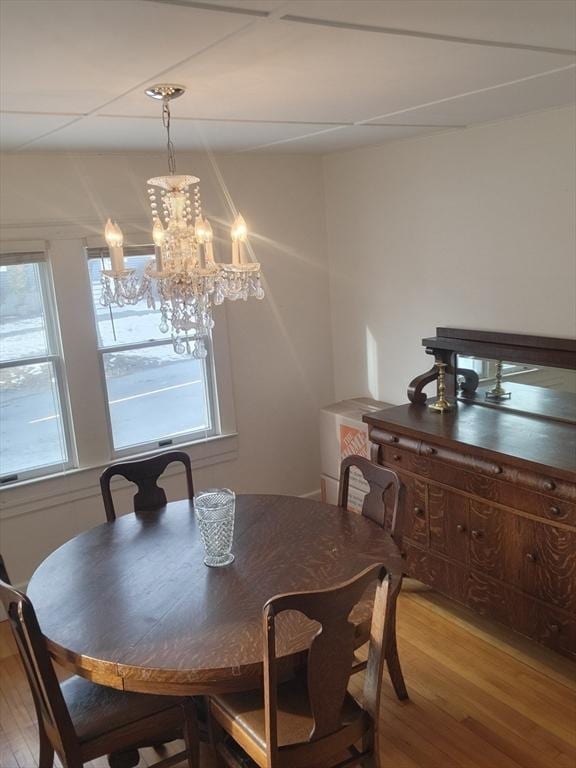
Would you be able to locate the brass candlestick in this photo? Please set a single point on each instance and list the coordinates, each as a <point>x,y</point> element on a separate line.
<point>441,405</point>
<point>498,392</point>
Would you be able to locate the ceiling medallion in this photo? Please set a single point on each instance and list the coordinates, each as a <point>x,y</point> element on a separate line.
<point>184,278</point>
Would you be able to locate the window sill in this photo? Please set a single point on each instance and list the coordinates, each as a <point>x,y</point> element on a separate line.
<point>26,496</point>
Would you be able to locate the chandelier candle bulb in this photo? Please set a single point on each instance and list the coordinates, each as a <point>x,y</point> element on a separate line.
<point>208,237</point>
<point>159,236</point>
<point>200,229</point>
<point>239,234</point>
<point>115,239</point>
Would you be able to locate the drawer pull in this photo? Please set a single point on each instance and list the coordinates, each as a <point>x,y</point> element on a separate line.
<point>556,511</point>
<point>497,470</point>
<point>476,534</point>
<point>555,629</point>
<point>549,485</point>
<point>419,512</point>
<point>394,439</point>
<point>396,457</point>
<point>531,557</point>
<point>461,528</point>
<point>429,451</point>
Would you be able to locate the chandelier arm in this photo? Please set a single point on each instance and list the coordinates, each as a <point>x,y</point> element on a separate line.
<point>169,143</point>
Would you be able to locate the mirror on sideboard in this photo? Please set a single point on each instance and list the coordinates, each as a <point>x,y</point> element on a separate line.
<point>541,390</point>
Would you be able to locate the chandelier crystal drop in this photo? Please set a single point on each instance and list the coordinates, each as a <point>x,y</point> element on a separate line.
<point>184,278</point>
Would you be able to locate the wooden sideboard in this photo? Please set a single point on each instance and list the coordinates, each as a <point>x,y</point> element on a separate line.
<point>490,514</point>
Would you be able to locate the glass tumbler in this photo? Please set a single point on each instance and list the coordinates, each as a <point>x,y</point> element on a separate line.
<point>215,515</point>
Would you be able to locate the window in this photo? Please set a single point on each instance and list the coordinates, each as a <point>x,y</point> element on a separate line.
<point>155,397</point>
<point>34,423</point>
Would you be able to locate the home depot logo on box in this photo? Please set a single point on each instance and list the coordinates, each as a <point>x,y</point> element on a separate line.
<point>353,441</point>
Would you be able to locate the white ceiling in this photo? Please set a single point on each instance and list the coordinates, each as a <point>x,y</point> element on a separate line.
<point>281,75</point>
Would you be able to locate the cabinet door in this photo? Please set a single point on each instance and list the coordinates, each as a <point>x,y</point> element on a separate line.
<point>546,564</point>
<point>491,545</point>
<point>414,514</point>
<point>448,522</point>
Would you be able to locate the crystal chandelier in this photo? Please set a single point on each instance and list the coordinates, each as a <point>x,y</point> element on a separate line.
<point>184,278</point>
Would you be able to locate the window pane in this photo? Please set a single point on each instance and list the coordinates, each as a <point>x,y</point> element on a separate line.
<point>154,394</point>
<point>31,430</point>
<point>23,330</point>
<point>128,324</point>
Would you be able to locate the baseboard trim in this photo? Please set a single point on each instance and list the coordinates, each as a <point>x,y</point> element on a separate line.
<point>314,495</point>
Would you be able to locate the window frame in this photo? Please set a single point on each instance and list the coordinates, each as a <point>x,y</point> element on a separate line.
<point>208,366</point>
<point>54,357</point>
<point>65,247</point>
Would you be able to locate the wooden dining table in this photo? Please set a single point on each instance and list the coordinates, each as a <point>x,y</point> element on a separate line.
<point>131,605</point>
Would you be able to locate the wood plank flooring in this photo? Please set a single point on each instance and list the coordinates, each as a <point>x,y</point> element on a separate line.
<point>480,697</point>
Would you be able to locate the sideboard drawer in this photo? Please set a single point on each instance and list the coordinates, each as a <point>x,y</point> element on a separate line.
<point>495,600</point>
<point>398,458</point>
<point>546,561</point>
<point>473,467</point>
<point>552,509</point>
<point>556,630</point>
<point>536,558</point>
<point>488,488</point>
<point>437,572</point>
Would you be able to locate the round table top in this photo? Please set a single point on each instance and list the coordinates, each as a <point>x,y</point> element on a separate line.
<point>130,604</point>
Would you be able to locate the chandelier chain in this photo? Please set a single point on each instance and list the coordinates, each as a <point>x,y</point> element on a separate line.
<point>169,143</point>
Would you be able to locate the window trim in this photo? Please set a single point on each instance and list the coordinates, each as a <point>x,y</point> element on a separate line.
<point>54,357</point>
<point>208,364</point>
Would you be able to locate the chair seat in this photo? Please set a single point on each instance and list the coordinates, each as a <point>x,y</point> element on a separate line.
<point>97,710</point>
<point>246,711</point>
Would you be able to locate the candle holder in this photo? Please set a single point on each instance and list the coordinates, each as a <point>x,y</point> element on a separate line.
<point>441,405</point>
<point>498,392</point>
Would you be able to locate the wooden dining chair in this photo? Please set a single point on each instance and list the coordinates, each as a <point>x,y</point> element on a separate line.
<point>311,719</point>
<point>144,473</point>
<point>384,505</point>
<point>80,720</point>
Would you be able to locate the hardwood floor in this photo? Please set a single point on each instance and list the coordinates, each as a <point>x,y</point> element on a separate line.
<point>480,697</point>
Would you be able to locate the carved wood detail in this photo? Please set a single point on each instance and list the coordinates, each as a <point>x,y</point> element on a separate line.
<point>476,464</point>
<point>416,386</point>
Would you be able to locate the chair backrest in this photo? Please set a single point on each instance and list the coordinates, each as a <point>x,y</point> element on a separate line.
<point>331,653</point>
<point>51,710</point>
<point>384,502</point>
<point>144,473</point>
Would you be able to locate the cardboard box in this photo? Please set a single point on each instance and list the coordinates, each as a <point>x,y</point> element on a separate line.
<point>343,433</point>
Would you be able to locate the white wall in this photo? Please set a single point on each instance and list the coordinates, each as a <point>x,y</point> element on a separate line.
<point>280,348</point>
<point>473,229</point>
